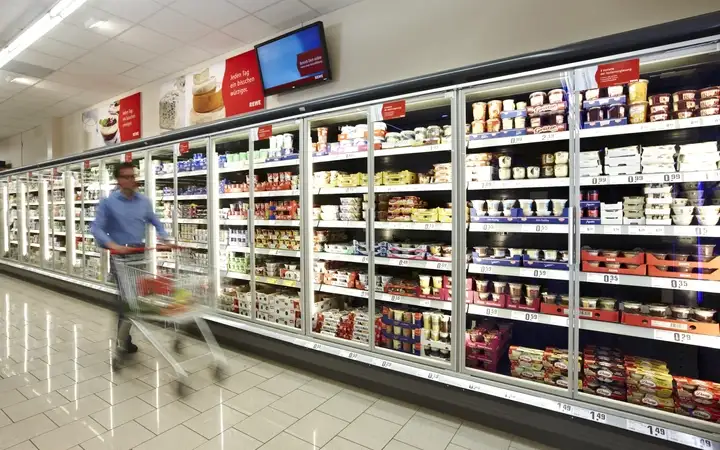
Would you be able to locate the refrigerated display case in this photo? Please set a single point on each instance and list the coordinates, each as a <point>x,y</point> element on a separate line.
<point>528,237</point>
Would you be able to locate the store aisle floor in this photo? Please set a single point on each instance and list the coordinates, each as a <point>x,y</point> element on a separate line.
<point>57,392</point>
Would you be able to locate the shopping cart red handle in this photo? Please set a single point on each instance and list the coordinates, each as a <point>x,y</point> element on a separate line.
<point>137,250</point>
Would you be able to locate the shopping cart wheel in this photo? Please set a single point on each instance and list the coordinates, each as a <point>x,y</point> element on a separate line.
<point>219,372</point>
<point>177,346</point>
<point>182,389</point>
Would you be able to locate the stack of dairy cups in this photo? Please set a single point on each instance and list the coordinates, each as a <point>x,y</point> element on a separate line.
<point>698,157</point>
<point>658,159</point>
<point>611,213</point>
<point>622,161</point>
<point>657,204</point>
<point>634,210</point>
<point>590,165</point>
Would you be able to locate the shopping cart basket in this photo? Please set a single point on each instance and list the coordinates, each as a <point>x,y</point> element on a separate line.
<point>177,298</point>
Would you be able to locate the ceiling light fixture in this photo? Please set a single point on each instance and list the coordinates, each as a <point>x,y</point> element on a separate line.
<point>38,29</point>
<point>24,80</point>
<point>100,24</point>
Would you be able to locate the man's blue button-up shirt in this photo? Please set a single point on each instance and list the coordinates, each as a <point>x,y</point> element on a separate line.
<point>122,220</point>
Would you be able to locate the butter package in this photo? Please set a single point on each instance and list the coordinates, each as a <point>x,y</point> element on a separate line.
<point>525,355</point>
<point>595,387</point>
<point>649,381</point>
<point>527,373</point>
<point>557,360</point>
<point>691,391</point>
<point>646,363</point>
<point>698,411</point>
<point>651,400</point>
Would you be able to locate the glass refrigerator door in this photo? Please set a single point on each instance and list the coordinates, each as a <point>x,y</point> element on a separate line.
<point>275,206</point>
<point>518,240</point>
<point>4,219</point>
<point>13,219</point>
<point>77,222</point>
<point>57,230</point>
<point>411,241</point>
<point>233,174</point>
<point>649,286</point>
<point>338,185</point>
<point>163,163</point>
<point>86,200</point>
<point>32,219</point>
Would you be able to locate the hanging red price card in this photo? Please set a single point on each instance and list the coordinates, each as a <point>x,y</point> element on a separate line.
<point>264,132</point>
<point>184,147</point>
<point>620,72</point>
<point>128,157</point>
<point>87,164</point>
<point>393,110</point>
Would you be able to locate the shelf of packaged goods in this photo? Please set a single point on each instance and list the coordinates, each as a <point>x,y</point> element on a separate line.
<point>360,259</point>
<point>232,222</point>
<point>699,340</point>
<point>341,190</point>
<point>524,272</point>
<point>414,187</point>
<point>339,157</point>
<point>283,163</point>
<point>169,198</point>
<point>648,178</point>
<point>650,127</point>
<point>285,193</point>
<point>518,228</point>
<point>88,253</point>
<point>278,281</point>
<point>341,224</point>
<point>33,204</point>
<point>434,226</point>
<point>517,140</point>
<point>14,243</point>
<point>234,168</point>
<point>538,183</point>
<point>195,221</point>
<point>200,245</point>
<point>277,223</point>
<point>652,230</point>
<point>413,150</point>
<point>235,249</point>
<point>277,252</point>
<point>233,195</point>
<point>350,292</point>
<point>681,284</point>
<point>238,276</point>
<point>524,316</point>
<point>402,299</point>
<point>415,264</point>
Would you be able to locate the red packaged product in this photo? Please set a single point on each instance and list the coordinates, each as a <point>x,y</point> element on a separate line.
<point>701,392</point>
<point>698,411</point>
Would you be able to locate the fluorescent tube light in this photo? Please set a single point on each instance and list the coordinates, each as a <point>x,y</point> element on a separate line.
<point>38,29</point>
<point>24,80</point>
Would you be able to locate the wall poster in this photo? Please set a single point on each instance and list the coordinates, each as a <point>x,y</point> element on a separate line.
<point>119,121</point>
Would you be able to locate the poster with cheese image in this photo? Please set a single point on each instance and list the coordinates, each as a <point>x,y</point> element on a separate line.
<point>204,96</point>
<point>114,122</point>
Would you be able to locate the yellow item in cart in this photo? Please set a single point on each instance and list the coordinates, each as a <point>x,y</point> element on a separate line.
<point>425,215</point>
<point>182,296</point>
<point>404,177</point>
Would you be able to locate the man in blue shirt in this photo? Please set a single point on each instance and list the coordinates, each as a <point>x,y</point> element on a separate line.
<point>119,226</point>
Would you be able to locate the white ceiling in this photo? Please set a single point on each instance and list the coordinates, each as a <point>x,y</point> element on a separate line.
<point>75,66</point>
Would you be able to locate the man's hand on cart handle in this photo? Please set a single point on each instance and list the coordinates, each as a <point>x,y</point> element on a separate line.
<point>118,249</point>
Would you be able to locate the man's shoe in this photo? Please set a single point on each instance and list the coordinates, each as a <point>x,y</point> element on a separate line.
<point>130,347</point>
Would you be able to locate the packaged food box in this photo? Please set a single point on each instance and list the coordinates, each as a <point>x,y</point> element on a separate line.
<point>527,373</point>
<point>646,363</point>
<point>556,360</point>
<point>649,381</point>
<point>651,400</point>
<point>525,355</point>
<point>595,387</point>
<point>698,411</point>
<point>705,393</point>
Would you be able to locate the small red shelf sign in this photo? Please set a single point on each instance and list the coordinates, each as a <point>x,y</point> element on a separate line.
<point>619,72</point>
<point>264,132</point>
<point>393,110</point>
<point>87,164</point>
<point>184,147</point>
<point>128,157</point>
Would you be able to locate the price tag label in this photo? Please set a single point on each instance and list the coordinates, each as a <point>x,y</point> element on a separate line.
<point>655,231</point>
<point>516,140</point>
<point>613,229</point>
<point>364,260</point>
<point>648,430</point>
<point>669,283</point>
<point>482,268</point>
<point>403,262</point>
<point>492,312</point>
<point>289,283</point>
<point>527,228</point>
<point>272,280</point>
<point>701,231</point>
<point>672,178</point>
<point>599,180</point>
<point>635,179</point>
<point>316,346</point>
<point>484,185</point>
<point>382,363</point>
<point>565,408</point>
<point>588,414</point>
<point>439,265</point>
<point>525,316</point>
<point>673,336</point>
<point>488,227</point>
<point>639,231</point>
<point>588,229</point>
<point>534,273</point>
<point>430,226</point>
<point>364,294</point>
<point>607,278</point>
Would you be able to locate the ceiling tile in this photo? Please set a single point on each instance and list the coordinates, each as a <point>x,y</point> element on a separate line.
<point>132,10</point>
<point>302,19</point>
<point>253,5</point>
<point>86,16</point>
<point>250,29</point>
<point>89,97</point>
<point>19,107</point>
<point>326,6</point>
<point>41,59</point>
<point>218,43</point>
<point>57,48</point>
<point>188,55</point>
<point>165,65</point>
<point>46,85</point>
<point>215,13</point>
<point>71,34</point>
<point>174,24</point>
<point>5,82</point>
<point>282,12</point>
<point>142,37</point>
<point>125,52</point>
<point>66,107</point>
<point>37,99</point>
<point>143,74</point>
<point>94,64</point>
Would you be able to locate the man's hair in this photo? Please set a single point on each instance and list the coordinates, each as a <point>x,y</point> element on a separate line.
<point>121,166</point>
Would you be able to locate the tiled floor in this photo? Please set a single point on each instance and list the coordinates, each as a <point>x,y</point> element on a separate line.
<point>57,392</point>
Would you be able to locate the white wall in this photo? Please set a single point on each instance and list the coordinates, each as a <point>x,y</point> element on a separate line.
<point>379,41</point>
<point>30,147</point>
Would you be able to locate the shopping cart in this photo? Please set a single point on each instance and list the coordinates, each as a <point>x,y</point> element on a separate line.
<point>173,299</point>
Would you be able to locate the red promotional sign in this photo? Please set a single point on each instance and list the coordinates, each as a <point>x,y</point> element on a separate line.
<point>393,110</point>
<point>264,132</point>
<point>128,157</point>
<point>184,147</point>
<point>311,62</point>
<point>616,73</point>
<point>242,89</point>
<point>130,121</point>
<point>87,164</point>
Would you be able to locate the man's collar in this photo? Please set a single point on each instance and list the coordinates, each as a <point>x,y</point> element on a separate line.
<point>118,193</point>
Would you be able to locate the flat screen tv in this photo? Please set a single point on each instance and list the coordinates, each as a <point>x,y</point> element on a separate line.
<point>295,59</point>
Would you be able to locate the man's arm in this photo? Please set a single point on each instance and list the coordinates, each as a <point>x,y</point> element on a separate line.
<point>153,219</point>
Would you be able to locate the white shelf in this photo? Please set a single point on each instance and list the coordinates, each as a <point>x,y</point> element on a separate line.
<point>360,259</point>
<point>341,290</point>
<point>58,233</point>
<point>235,249</point>
<point>35,245</point>
<point>277,252</point>
<point>33,231</point>
<point>525,272</point>
<point>647,178</point>
<point>58,218</point>
<point>341,224</point>
<point>433,226</point>
<point>169,198</point>
<point>699,340</point>
<point>238,276</point>
<point>87,202</point>
<point>195,221</point>
<point>33,204</point>
<point>88,253</point>
<point>342,190</point>
<point>278,281</point>
<point>414,187</point>
<point>231,222</point>
<point>524,316</point>
<point>191,173</point>
<point>517,140</point>
<point>652,230</point>
<point>339,157</point>
<point>234,168</point>
<point>87,219</point>
<point>283,163</point>
<point>171,265</point>
<point>665,125</point>
<point>401,299</point>
<point>681,284</point>
<point>60,249</point>
<point>415,264</point>
<point>413,150</point>
<point>519,184</point>
<point>235,195</point>
<point>285,193</point>
<point>518,228</point>
<point>200,245</point>
<point>14,243</point>
<point>277,223</point>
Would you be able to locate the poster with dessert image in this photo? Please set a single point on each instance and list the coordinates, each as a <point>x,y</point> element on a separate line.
<point>118,121</point>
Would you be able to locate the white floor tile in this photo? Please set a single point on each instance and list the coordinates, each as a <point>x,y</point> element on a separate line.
<point>124,437</point>
<point>88,373</point>
<point>69,435</point>
<point>392,410</point>
<point>266,369</point>
<point>345,406</point>
<point>442,418</point>
<point>476,437</point>
<point>154,378</point>
<point>251,401</point>
<point>298,403</point>
<point>120,393</point>
<point>426,434</point>
<point>24,430</point>
<point>284,441</point>
<point>214,421</point>
<point>370,431</point>
<point>85,388</point>
<point>207,398</point>
<point>167,417</point>
<point>47,386</point>
<point>282,384</point>
<point>130,372</point>
<point>231,439</point>
<point>265,424</point>
<point>16,381</point>
<point>178,438</point>
<point>339,443</point>
<point>524,444</point>
<point>165,394</point>
<point>34,406</point>
<point>241,382</point>
<point>322,388</point>
<point>75,410</point>
<point>12,397</point>
<point>121,413</point>
<point>397,445</point>
<point>317,428</point>
<point>4,419</point>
